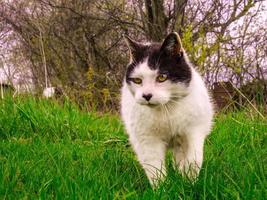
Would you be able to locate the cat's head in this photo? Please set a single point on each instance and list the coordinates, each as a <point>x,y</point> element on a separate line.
<point>158,73</point>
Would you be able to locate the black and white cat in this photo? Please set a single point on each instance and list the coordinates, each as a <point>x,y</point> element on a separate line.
<point>165,104</point>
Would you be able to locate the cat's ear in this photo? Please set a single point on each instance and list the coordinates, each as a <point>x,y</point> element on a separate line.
<point>172,45</point>
<point>134,47</point>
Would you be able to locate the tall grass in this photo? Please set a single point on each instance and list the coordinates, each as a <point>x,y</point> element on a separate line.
<point>54,151</point>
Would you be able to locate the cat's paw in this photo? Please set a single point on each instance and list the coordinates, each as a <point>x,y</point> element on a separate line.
<point>189,169</point>
<point>156,177</point>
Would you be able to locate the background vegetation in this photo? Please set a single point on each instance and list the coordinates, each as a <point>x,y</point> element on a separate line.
<point>78,45</point>
<point>56,149</point>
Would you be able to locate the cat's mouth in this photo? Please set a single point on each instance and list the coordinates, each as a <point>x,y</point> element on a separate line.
<point>173,100</point>
<point>156,106</point>
<point>149,104</point>
<point>152,105</point>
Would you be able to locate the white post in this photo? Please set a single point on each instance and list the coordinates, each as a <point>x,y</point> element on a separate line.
<point>43,55</point>
<point>2,92</point>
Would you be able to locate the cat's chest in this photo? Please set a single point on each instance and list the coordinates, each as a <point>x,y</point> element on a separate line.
<point>159,122</point>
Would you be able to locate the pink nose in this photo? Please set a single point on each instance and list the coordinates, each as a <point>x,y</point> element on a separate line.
<point>147,96</point>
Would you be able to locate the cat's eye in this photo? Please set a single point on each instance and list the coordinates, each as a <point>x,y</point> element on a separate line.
<point>161,77</point>
<point>137,80</point>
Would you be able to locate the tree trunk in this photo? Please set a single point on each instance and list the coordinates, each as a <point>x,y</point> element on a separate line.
<point>157,21</point>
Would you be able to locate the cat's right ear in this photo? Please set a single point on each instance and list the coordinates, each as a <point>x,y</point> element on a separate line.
<point>134,47</point>
<point>172,45</point>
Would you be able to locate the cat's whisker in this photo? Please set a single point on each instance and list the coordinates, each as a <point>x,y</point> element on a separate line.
<point>174,101</point>
<point>168,117</point>
<point>166,114</point>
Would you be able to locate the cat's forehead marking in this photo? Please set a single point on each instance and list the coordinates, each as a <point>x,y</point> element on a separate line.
<point>143,70</point>
<point>152,60</point>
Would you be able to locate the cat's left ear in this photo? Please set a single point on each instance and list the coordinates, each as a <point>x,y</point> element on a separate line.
<point>134,47</point>
<point>172,45</point>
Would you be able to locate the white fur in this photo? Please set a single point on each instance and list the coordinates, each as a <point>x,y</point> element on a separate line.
<point>181,125</point>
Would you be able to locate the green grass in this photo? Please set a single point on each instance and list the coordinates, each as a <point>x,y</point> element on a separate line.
<point>53,151</point>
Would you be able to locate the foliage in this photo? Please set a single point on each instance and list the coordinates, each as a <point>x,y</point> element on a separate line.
<point>226,40</point>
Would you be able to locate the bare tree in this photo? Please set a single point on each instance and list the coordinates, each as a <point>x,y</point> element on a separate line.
<point>78,44</point>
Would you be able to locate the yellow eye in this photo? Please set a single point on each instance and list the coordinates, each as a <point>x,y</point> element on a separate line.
<point>137,80</point>
<point>162,78</point>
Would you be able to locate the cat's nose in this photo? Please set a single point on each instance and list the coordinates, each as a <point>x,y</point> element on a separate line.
<point>147,96</point>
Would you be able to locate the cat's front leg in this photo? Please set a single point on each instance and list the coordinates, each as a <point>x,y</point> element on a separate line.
<point>189,155</point>
<point>151,154</point>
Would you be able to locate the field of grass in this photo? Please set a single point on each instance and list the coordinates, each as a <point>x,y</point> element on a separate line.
<point>53,151</point>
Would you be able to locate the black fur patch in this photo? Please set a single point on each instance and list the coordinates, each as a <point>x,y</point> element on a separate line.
<point>174,66</point>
